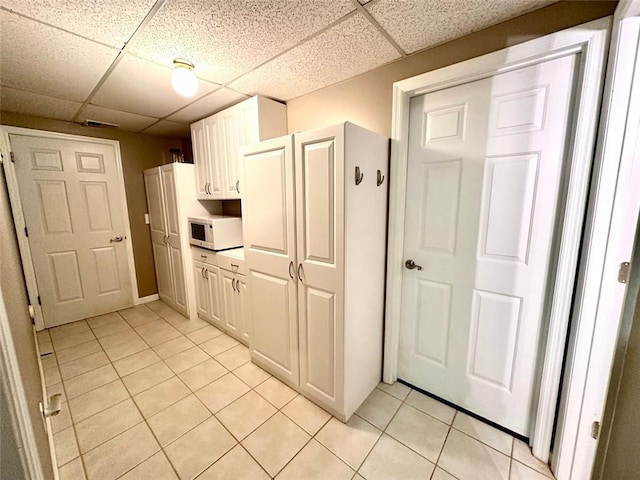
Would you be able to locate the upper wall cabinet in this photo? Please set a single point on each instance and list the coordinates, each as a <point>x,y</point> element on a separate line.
<point>216,140</point>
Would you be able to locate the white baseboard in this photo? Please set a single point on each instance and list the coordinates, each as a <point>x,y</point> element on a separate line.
<point>147,299</point>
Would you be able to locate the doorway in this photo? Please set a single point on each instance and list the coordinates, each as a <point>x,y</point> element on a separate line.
<point>485,169</point>
<point>589,42</point>
<point>68,194</point>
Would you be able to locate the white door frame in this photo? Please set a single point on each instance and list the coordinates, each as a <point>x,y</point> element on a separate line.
<point>590,41</point>
<point>18,216</point>
<point>17,401</point>
<point>609,238</point>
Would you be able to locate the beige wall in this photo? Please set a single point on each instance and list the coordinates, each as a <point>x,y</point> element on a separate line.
<point>621,456</point>
<point>366,99</point>
<point>138,152</point>
<point>13,292</point>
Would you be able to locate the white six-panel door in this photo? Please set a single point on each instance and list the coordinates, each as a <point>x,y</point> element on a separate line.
<point>70,192</point>
<point>270,251</point>
<point>484,175</point>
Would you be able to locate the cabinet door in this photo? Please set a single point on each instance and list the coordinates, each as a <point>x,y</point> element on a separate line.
<point>214,281</point>
<point>229,295</point>
<point>180,302</point>
<point>247,133</point>
<point>228,152</point>
<point>164,278</point>
<point>320,219</point>
<point>269,241</point>
<point>203,299</point>
<point>244,325</point>
<point>215,187</point>
<point>201,158</point>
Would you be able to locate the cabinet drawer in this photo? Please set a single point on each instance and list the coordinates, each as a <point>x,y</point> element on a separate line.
<point>231,263</point>
<point>203,255</point>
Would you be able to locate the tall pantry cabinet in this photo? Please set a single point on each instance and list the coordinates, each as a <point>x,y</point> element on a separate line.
<point>314,222</point>
<point>170,200</point>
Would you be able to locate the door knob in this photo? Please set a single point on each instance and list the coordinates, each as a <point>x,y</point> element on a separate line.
<point>410,264</point>
<point>119,238</point>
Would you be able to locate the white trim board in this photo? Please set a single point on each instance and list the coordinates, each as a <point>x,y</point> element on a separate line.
<point>588,40</point>
<point>18,217</point>
<point>609,237</point>
<point>17,400</point>
<point>148,299</point>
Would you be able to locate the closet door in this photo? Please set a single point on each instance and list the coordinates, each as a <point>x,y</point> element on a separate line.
<point>173,225</point>
<point>158,228</point>
<point>320,219</point>
<point>270,252</point>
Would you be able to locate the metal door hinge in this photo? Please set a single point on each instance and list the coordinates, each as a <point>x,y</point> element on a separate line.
<point>595,430</point>
<point>26,232</point>
<point>623,272</point>
<point>13,157</point>
<point>39,301</point>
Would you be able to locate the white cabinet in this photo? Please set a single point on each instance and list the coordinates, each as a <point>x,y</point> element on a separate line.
<point>216,140</point>
<point>170,200</point>
<point>314,242</point>
<point>235,296</point>
<point>207,282</point>
<point>221,292</point>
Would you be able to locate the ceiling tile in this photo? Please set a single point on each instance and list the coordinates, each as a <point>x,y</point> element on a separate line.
<point>127,121</point>
<point>352,47</point>
<point>143,87</point>
<point>111,22</point>
<point>212,103</point>
<point>169,129</point>
<point>226,38</point>
<point>418,24</point>
<point>43,59</point>
<point>19,101</point>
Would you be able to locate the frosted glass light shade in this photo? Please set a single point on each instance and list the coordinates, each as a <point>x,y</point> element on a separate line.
<point>183,80</point>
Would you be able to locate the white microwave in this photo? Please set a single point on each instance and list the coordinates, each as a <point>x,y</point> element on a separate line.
<point>216,232</point>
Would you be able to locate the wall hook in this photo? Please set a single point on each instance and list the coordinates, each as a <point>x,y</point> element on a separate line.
<point>359,176</point>
<point>380,178</point>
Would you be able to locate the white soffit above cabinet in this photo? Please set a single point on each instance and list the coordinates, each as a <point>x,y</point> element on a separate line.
<point>111,60</point>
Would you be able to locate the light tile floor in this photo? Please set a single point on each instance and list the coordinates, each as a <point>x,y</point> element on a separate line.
<point>149,394</point>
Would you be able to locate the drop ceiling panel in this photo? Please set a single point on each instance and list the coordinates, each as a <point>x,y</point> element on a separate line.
<point>418,24</point>
<point>212,103</point>
<point>39,58</point>
<point>127,121</point>
<point>165,128</point>
<point>352,47</point>
<point>226,38</point>
<point>111,22</point>
<point>28,103</point>
<point>143,87</point>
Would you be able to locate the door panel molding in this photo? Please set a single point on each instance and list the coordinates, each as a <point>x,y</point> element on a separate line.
<point>589,41</point>
<point>18,217</point>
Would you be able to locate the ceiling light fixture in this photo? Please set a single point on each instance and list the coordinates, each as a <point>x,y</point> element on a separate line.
<point>183,79</point>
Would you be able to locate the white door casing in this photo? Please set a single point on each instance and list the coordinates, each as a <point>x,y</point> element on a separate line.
<point>269,231</point>
<point>484,172</point>
<point>590,40</point>
<point>72,205</point>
